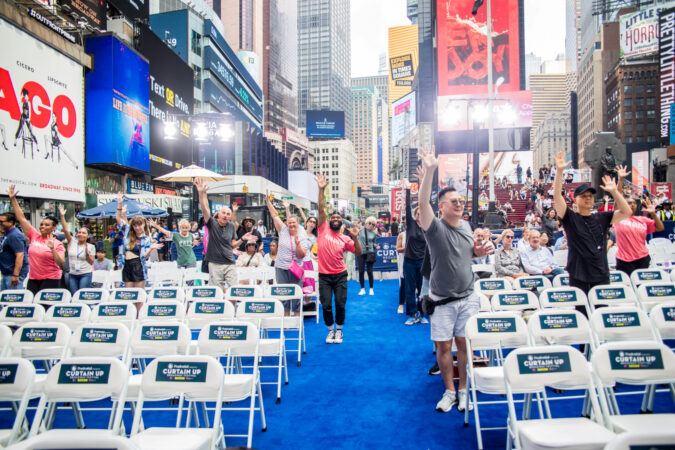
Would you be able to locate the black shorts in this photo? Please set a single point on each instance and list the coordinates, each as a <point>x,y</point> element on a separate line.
<point>133,271</point>
<point>37,285</point>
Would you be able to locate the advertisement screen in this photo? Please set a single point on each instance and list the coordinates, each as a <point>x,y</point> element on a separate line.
<point>172,26</point>
<point>462,47</point>
<point>171,98</point>
<point>403,118</point>
<point>666,68</point>
<point>640,168</point>
<point>458,112</point>
<point>41,119</point>
<point>118,112</point>
<point>403,60</point>
<point>326,124</point>
<point>93,11</point>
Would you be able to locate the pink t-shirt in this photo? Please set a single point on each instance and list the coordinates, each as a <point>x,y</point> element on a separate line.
<point>631,237</point>
<point>331,249</point>
<point>40,258</point>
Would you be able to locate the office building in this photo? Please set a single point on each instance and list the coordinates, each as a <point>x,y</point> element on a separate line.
<point>337,161</point>
<point>370,137</point>
<point>551,135</point>
<point>243,28</point>
<point>532,67</point>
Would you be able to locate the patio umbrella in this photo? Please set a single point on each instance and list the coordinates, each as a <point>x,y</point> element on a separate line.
<point>134,208</point>
<point>189,173</point>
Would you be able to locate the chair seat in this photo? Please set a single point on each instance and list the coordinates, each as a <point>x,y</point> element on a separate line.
<point>4,436</point>
<point>490,380</point>
<point>568,433</point>
<point>160,438</point>
<point>642,422</point>
<point>76,438</point>
<point>237,387</point>
<point>269,347</point>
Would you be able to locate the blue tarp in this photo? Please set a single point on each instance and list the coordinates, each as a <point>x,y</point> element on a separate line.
<point>134,208</point>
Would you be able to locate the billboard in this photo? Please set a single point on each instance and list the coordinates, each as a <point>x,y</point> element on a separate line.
<point>172,26</point>
<point>510,109</point>
<point>93,11</point>
<point>666,68</point>
<point>640,168</point>
<point>403,117</point>
<point>639,33</point>
<point>171,96</point>
<point>325,124</point>
<point>403,60</point>
<point>118,112</point>
<point>41,119</point>
<point>397,202</point>
<point>462,47</point>
<point>132,9</point>
<point>213,153</point>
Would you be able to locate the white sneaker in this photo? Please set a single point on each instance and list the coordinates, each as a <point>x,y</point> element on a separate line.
<point>400,309</point>
<point>330,339</point>
<point>362,292</point>
<point>446,402</point>
<point>338,337</point>
<point>372,292</point>
<point>461,406</point>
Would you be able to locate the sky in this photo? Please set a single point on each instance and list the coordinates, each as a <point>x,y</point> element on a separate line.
<point>370,20</point>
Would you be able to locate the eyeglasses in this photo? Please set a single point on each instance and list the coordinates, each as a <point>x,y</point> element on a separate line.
<point>508,237</point>
<point>455,202</point>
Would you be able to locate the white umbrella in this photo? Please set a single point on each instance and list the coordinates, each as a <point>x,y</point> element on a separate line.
<point>190,173</point>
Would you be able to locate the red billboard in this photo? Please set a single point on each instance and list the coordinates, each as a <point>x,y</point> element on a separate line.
<point>462,46</point>
<point>396,201</point>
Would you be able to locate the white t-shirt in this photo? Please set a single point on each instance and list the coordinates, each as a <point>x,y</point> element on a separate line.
<point>77,257</point>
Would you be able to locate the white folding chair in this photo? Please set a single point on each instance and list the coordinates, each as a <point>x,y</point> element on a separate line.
<point>619,277</point>
<point>519,301</point>
<point>651,293</point>
<point>101,279</point>
<point>13,296</point>
<point>203,312</point>
<point>251,274</point>
<point>560,257</point>
<point>561,367</point>
<point>71,314</point>
<point>91,296</point>
<point>271,274</point>
<point>191,277</point>
<point>484,302</point>
<point>312,296</point>
<point>164,310</point>
<point>165,265</point>
<point>40,341</point>
<point>114,279</point>
<point>193,293</point>
<point>640,363</point>
<point>640,276</point>
<point>234,340</point>
<point>611,256</point>
<point>239,292</point>
<point>268,314</point>
<point>491,285</point>
<point>134,295</point>
<point>561,280</point>
<point>660,251</point>
<point>490,331</point>
<point>5,338</point>
<point>96,439</point>
<point>291,296</point>
<point>120,312</point>
<point>663,318</point>
<point>165,276</point>
<point>532,283</point>
<point>16,315</point>
<point>195,379</point>
<point>167,293</point>
<point>47,297</point>
<point>563,297</point>
<point>475,268</point>
<point>631,440</point>
<point>621,323</point>
<point>611,295</point>
<point>559,326</point>
<point>17,378</point>
<point>101,339</point>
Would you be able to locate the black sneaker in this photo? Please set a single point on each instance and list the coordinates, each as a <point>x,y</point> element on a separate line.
<point>435,370</point>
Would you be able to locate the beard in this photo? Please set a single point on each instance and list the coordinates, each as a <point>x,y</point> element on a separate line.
<point>335,225</point>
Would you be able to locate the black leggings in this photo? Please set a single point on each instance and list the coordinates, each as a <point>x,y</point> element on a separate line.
<point>363,266</point>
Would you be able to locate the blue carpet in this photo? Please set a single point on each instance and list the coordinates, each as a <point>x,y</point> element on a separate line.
<point>372,391</point>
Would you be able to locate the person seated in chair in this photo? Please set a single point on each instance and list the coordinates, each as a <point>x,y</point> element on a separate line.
<point>252,258</point>
<point>482,235</point>
<point>539,260</point>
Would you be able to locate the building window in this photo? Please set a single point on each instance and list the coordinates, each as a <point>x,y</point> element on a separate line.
<point>640,101</point>
<point>628,115</point>
<point>639,114</point>
<point>651,88</point>
<point>628,102</point>
<point>628,89</point>
<point>651,101</point>
<point>196,43</point>
<point>651,114</point>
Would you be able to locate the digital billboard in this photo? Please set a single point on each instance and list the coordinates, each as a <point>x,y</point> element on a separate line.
<point>666,68</point>
<point>41,119</point>
<point>462,47</point>
<point>118,113</point>
<point>93,11</point>
<point>403,60</point>
<point>403,117</point>
<point>172,26</point>
<point>510,109</point>
<point>171,99</point>
<point>326,124</point>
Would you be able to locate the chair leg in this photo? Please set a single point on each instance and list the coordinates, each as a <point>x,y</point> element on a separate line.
<point>262,407</point>
<point>77,412</point>
<point>207,422</point>
<point>250,422</point>
<point>285,366</point>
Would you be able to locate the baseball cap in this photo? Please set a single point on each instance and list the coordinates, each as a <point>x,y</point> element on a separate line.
<point>580,190</point>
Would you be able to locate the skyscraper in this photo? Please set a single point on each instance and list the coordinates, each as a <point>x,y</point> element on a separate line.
<point>324,58</point>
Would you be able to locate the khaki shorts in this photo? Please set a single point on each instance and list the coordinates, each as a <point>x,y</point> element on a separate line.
<point>448,321</point>
<point>222,273</point>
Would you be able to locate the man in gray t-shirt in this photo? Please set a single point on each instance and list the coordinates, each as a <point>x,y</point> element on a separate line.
<point>451,248</point>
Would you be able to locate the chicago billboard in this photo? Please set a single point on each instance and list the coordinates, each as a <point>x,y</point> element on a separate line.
<point>118,113</point>
<point>41,119</point>
<point>325,124</point>
<point>403,60</point>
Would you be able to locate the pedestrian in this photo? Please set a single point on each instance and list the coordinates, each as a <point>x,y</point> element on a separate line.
<point>101,262</point>
<point>367,239</point>
<point>528,173</point>
<point>587,233</point>
<point>80,255</point>
<point>46,254</point>
<point>13,254</point>
<point>184,242</point>
<point>631,237</point>
<point>519,173</point>
<point>252,258</point>
<point>451,299</point>
<point>332,245</point>
<point>507,258</point>
<point>414,257</point>
<point>262,228</point>
<point>400,254</point>
<point>394,226</point>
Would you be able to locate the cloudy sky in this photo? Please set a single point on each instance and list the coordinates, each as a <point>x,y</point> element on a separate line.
<point>371,19</point>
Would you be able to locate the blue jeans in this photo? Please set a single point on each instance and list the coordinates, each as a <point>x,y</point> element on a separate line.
<point>552,275</point>
<point>78,282</point>
<point>6,283</point>
<point>412,272</point>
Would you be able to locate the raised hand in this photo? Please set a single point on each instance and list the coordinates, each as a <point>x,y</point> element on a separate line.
<point>622,172</point>
<point>648,206</point>
<point>353,231</point>
<point>124,211</point>
<point>62,211</point>
<point>609,184</point>
<point>481,249</point>
<point>235,207</point>
<point>321,181</point>
<point>50,243</point>
<point>12,192</point>
<point>428,158</point>
<point>286,203</point>
<point>421,170</point>
<point>560,163</point>
<point>120,198</point>
<point>201,185</point>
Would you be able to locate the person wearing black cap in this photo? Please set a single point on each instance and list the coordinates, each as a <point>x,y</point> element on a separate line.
<point>247,227</point>
<point>586,232</point>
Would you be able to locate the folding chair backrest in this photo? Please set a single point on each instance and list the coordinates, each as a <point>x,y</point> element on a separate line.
<point>165,277</point>
<point>154,338</point>
<point>563,297</point>
<point>621,323</point>
<point>560,257</point>
<point>619,277</point>
<point>190,277</point>
<point>171,310</point>
<point>484,302</point>
<point>663,317</point>
<point>233,338</point>
<point>100,339</point>
<point>114,279</point>
<point>491,285</point>
<point>514,301</point>
<point>193,293</point>
<point>561,280</point>
<point>490,268</point>
<point>91,296</point>
<point>640,276</point>
<point>533,282</point>
<point>649,439</point>
<point>167,293</point>
<point>52,296</point>
<point>203,312</point>
<point>121,312</point>
<point>533,368</point>
<point>268,311</point>
<point>40,340</point>
<point>634,362</point>
<point>611,295</point>
<point>5,337</point>
<point>651,293</point>
<point>493,330</point>
<point>13,296</point>
<point>20,313</point>
<point>611,256</point>
<point>165,265</point>
<point>16,375</point>
<point>240,292</point>
<point>101,278</point>
<point>199,378</point>
<point>559,326</point>
<point>285,293</point>
<point>253,274</point>
<point>135,295</point>
<point>85,378</point>
<point>71,314</point>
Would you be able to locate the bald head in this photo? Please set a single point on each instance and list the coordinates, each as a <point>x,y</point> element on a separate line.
<point>224,216</point>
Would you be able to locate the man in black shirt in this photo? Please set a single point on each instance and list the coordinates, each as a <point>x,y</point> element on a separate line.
<point>394,226</point>
<point>586,232</point>
<point>415,243</point>
<point>247,228</point>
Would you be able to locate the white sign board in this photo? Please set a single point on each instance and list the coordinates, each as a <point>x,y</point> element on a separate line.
<point>639,32</point>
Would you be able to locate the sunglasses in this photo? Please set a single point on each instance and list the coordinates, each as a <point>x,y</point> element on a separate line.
<point>508,237</point>
<point>455,202</point>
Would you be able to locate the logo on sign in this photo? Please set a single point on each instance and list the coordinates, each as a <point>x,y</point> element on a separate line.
<point>162,310</point>
<point>67,311</point>
<point>635,359</point>
<point>112,310</point>
<point>259,307</point>
<point>614,277</point>
<point>282,291</point>
<point>496,325</point>
<point>8,373</point>
<point>531,282</point>
<point>513,299</point>
<point>615,320</point>
<point>491,285</point>
<point>12,298</point>
<point>557,321</point>
<point>544,363</point>
<point>38,335</point>
<point>210,308</point>
<point>669,313</point>
<point>204,293</point>
<point>565,281</point>
<point>126,295</point>
<point>159,333</point>
<point>562,296</point>
<point>660,291</point>
<point>181,371</point>
<point>166,293</point>
<point>91,295</point>
<point>84,374</point>
<point>20,311</point>
<point>648,276</point>
<point>227,333</point>
<point>611,294</point>
<point>243,292</point>
<point>52,296</point>
<point>99,335</point>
